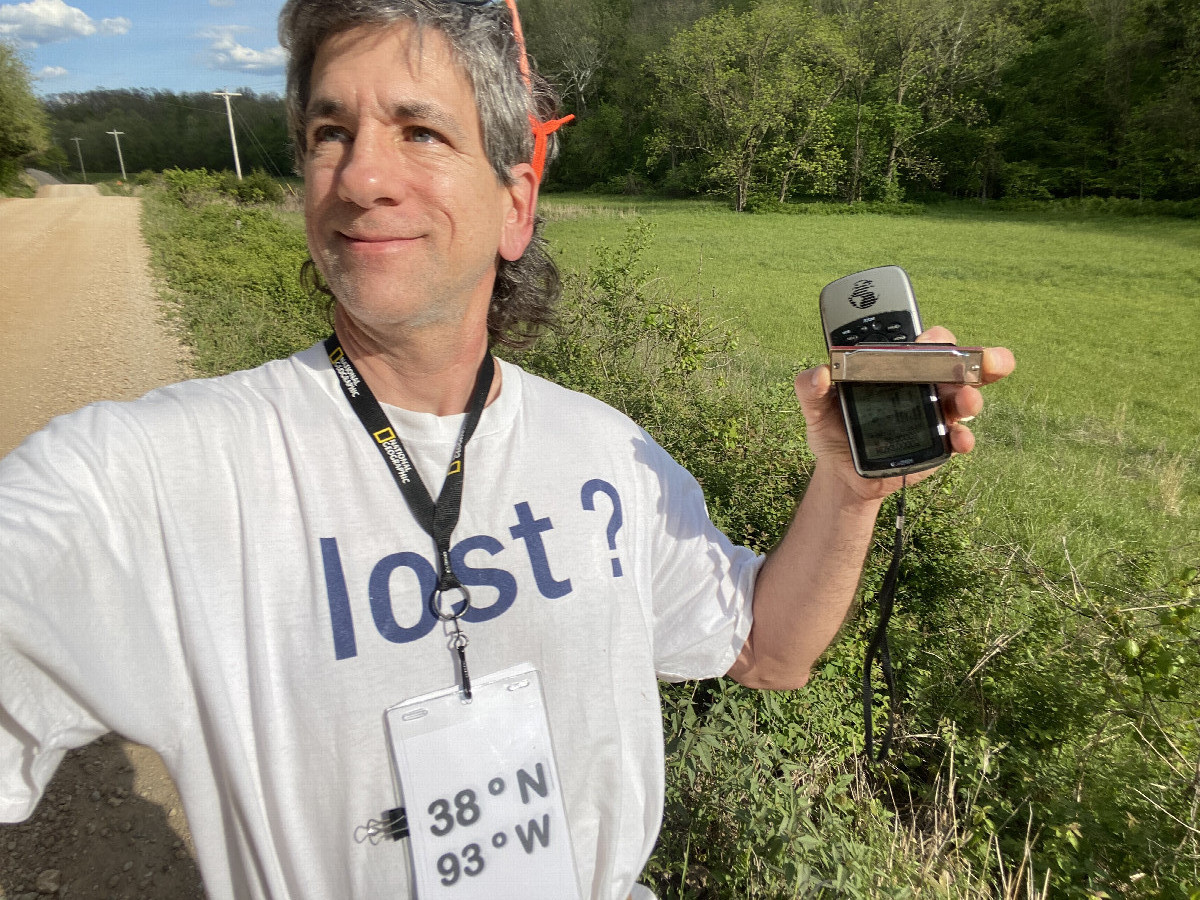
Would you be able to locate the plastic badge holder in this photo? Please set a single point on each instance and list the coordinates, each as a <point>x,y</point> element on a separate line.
<point>481,788</point>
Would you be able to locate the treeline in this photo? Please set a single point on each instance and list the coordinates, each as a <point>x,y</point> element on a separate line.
<point>877,99</point>
<point>164,130</point>
<point>769,101</point>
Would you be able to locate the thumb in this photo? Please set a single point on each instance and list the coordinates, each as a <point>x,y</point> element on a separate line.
<point>813,387</point>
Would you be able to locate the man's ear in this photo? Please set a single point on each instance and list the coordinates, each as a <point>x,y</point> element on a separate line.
<point>518,221</point>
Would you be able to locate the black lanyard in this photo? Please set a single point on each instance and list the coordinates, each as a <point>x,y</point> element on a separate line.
<point>437,519</point>
<point>878,645</point>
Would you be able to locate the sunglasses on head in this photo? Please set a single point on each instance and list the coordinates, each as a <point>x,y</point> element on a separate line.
<point>541,130</point>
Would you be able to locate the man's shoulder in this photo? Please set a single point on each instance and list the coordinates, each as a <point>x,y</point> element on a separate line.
<point>569,407</point>
<point>288,376</point>
<point>202,406</point>
<point>293,379</point>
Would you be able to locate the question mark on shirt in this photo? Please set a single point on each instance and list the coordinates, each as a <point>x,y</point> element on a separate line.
<point>587,496</point>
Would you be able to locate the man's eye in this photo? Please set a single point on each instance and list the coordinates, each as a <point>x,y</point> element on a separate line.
<point>326,133</point>
<point>425,135</point>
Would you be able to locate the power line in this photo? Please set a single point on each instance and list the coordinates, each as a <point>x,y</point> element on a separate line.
<point>266,156</point>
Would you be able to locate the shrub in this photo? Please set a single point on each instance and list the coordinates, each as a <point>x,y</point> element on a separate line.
<point>759,794</point>
<point>1024,181</point>
<point>197,187</point>
<point>257,187</point>
<point>192,187</point>
<point>232,275</point>
<point>660,359</point>
<point>1095,207</point>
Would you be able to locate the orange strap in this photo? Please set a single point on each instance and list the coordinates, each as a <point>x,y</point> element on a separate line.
<point>541,134</point>
<point>541,130</point>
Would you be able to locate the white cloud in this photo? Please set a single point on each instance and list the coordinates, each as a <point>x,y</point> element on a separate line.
<point>221,4</point>
<point>47,72</point>
<point>47,21</point>
<point>224,52</point>
<point>119,25</point>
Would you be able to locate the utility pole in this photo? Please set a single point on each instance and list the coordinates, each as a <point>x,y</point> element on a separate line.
<point>80,152</point>
<point>117,137</point>
<point>237,165</point>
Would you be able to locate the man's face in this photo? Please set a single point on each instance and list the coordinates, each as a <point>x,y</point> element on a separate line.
<point>404,214</point>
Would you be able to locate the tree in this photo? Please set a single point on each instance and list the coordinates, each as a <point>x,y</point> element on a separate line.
<point>23,126</point>
<point>853,115</point>
<point>934,57</point>
<point>747,96</point>
<point>573,41</point>
<point>871,99</point>
<point>1105,102</point>
<point>814,77</point>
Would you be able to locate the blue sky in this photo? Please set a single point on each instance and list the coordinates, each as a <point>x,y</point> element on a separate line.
<point>173,45</point>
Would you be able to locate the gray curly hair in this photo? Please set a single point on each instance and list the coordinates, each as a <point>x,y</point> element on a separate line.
<point>485,47</point>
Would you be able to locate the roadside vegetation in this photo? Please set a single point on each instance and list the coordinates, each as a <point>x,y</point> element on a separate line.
<point>1049,737</point>
<point>24,125</point>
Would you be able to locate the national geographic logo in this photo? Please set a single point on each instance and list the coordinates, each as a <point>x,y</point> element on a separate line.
<point>863,297</point>
<point>345,371</point>
<point>386,438</point>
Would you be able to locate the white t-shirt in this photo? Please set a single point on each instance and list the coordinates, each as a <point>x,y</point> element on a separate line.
<point>225,571</point>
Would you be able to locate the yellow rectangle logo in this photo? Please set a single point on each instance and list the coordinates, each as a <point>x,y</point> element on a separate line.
<point>384,435</point>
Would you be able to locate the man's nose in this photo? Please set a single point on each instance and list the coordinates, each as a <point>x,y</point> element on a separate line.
<point>371,170</point>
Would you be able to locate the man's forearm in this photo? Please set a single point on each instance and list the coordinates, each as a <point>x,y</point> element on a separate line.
<point>806,585</point>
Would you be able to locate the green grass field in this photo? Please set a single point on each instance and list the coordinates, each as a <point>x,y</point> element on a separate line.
<point>1091,445</point>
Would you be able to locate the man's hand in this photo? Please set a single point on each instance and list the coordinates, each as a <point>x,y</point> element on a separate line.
<point>827,434</point>
<point>807,583</point>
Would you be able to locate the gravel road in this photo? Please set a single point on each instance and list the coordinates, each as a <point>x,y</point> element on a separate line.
<point>79,322</point>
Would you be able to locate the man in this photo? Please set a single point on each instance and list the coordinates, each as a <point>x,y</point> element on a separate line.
<point>243,574</point>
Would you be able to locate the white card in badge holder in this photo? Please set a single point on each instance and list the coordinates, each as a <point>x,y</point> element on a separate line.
<point>485,808</point>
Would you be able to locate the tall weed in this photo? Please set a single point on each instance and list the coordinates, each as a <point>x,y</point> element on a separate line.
<point>231,278</point>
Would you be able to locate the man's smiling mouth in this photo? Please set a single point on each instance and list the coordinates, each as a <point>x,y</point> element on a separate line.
<point>361,241</point>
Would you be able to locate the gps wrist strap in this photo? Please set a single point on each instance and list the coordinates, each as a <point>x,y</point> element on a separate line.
<point>878,645</point>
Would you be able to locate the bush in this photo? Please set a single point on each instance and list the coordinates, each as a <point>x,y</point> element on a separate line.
<point>628,184</point>
<point>763,203</point>
<point>767,203</point>
<point>1118,207</point>
<point>1024,181</point>
<point>197,187</point>
<point>759,797</point>
<point>232,275</point>
<point>257,187</point>
<point>662,361</point>
<point>192,187</point>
